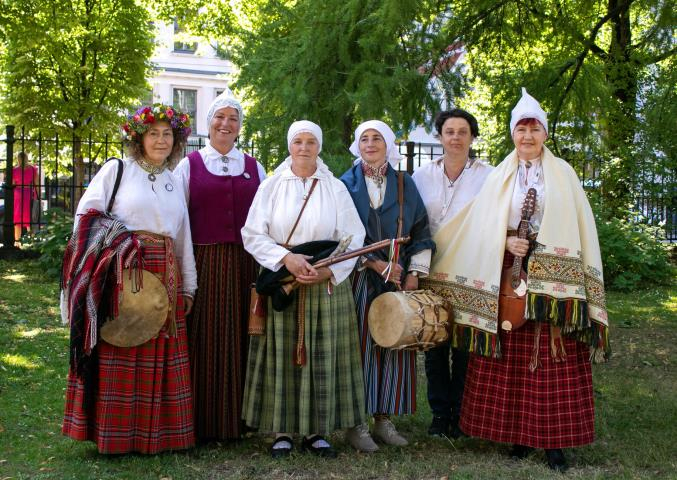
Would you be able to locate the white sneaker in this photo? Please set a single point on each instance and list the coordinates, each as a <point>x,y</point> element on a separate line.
<point>359,438</point>
<point>385,431</point>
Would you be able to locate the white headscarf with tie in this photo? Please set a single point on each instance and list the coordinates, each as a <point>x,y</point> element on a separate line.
<point>392,153</point>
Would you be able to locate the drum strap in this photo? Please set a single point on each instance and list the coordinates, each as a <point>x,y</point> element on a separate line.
<point>118,177</point>
<point>395,247</point>
<point>400,200</point>
<point>303,207</point>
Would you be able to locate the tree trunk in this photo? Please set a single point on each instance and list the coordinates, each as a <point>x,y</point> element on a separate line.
<point>78,172</point>
<point>347,130</point>
<point>621,75</point>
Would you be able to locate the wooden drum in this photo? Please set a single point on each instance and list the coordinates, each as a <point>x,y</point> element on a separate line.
<point>415,320</point>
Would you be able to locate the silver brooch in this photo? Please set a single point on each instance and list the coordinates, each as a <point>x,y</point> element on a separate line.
<point>246,175</point>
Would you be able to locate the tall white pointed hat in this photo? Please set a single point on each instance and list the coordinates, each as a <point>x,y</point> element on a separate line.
<point>226,99</point>
<point>528,107</point>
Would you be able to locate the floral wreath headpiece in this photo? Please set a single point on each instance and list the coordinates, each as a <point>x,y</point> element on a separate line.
<point>141,120</point>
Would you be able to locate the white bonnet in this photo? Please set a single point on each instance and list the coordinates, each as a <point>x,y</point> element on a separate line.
<point>226,99</point>
<point>528,107</point>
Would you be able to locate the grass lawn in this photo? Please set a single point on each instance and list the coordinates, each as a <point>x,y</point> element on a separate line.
<point>635,394</point>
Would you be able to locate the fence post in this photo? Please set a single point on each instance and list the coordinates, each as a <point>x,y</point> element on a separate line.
<point>410,156</point>
<point>8,222</point>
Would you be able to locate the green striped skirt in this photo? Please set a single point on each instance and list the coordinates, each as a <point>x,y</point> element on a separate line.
<point>325,394</point>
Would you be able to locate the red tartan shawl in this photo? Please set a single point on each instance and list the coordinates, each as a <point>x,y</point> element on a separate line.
<point>99,249</point>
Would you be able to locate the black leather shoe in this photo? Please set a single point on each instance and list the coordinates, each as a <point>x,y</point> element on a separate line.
<point>455,431</point>
<point>281,452</point>
<point>325,452</point>
<point>556,459</point>
<point>519,452</point>
<point>439,427</point>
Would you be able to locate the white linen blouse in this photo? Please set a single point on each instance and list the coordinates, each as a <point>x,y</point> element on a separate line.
<point>157,207</point>
<point>442,200</point>
<point>420,261</point>
<point>527,178</point>
<point>212,160</point>
<point>329,215</point>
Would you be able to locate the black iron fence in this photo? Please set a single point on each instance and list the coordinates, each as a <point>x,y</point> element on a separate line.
<point>52,161</point>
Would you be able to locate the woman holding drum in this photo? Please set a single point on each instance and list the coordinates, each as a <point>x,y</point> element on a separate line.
<point>384,200</point>
<point>131,392</point>
<point>527,385</point>
<point>303,373</point>
<point>447,185</point>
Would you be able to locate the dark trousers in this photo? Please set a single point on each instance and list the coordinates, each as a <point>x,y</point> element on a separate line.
<point>445,382</point>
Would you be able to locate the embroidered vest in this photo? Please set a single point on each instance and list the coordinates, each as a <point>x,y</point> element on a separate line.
<point>219,204</point>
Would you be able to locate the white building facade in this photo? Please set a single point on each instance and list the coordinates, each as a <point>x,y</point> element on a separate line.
<point>188,75</point>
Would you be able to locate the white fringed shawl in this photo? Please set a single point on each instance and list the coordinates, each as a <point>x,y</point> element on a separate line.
<point>565,285</point>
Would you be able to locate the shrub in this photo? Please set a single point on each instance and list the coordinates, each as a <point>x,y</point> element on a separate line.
<point>634,254</point>
<point>52,239</point>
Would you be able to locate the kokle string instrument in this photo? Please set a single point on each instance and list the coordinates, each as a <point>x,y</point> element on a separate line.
<point>512,298</point>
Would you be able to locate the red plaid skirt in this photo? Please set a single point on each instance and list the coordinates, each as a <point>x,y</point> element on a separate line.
<point>550,408</point>
<point>144,402</point>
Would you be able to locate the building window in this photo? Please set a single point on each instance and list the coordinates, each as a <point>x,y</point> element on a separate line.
<point>186,101</point>
<point>182,47</point>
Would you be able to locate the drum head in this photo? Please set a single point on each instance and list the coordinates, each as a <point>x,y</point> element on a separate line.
<point>141,314</point>
<point>386,322</point>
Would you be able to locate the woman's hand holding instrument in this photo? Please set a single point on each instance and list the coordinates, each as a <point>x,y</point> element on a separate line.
<point>332,259</point>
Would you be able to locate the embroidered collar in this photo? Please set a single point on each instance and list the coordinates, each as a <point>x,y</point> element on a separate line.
<point>377,173</point>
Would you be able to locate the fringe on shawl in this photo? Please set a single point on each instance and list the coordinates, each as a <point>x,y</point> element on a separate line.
<point>571,316</point>
<point>476,341</point>
<point>94,254</point>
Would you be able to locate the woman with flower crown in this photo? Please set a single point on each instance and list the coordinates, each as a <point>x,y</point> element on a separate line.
<point>132,398</point>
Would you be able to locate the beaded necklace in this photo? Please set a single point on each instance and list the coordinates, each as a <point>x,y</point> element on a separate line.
<point>152,170</point>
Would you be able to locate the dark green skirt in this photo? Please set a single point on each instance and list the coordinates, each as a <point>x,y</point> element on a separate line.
<point>324,395</point>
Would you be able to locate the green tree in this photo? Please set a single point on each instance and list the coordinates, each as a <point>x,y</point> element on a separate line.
<point>592,63</point>
<point>336,62</point>
<point>73,66</point>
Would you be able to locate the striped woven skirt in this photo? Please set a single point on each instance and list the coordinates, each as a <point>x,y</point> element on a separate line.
<point>217,336</point>
<point>389,375</point>
<point>551,407</point>
<point>144,402</point>
<point>325,394</point>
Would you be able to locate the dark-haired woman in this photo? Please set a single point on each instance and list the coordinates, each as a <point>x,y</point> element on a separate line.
<point>140,397</point>
<point>446,186</point>
<point>25,178</point>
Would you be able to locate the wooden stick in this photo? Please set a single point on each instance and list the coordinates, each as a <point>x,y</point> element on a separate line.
<point>325,262</point>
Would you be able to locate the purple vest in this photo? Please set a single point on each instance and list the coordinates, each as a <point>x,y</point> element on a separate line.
<point>218,205</point>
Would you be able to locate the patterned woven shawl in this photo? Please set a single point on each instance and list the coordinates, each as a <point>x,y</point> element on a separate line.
<point>99,249</point>
<point>565,285</point>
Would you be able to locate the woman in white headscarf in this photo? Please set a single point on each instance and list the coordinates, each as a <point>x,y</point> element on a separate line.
<point>390,375</point>
<point>220,182</point>
<point>303,374</point>
<point>528,385</point>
